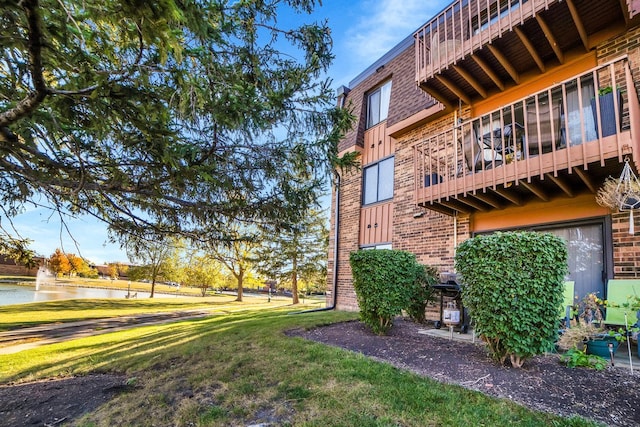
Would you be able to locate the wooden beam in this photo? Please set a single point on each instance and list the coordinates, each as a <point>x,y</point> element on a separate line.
<point>471,80</point>
<point>564,186</point>
<point>509,195</point>
<point>579,25</point>
<point>453,88</point>
<point>455,206</point>
<point>489,199</point>
<point>625,11</point>
<point>535,190</point>
<point>586,179</point>
<point>438,208</point>
<point>504,62</point>
<point>532,50</point>
<point>550,37</point>
<point>467,200</point>
<point>438,96</point>
<point>488,71</point>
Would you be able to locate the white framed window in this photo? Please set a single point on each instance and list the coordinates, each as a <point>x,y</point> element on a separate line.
<point>380,246</point>
<point>378,181</point>
<point>378,104</point>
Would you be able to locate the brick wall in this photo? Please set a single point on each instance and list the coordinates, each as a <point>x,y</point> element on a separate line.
<point>17,270</point>
<point>8,267</point>
<point>626,247</point>
<point>350,196</point>
<point>430,236</point>
<point>406,98</point>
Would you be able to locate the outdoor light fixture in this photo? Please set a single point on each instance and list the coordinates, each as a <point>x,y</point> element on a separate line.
<point>610,345</point>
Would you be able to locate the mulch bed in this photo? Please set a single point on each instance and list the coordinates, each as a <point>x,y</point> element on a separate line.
<point>56,401</point>
<point>611,396</point>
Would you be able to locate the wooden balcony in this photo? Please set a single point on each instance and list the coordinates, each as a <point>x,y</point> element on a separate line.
<point>563,140</point>
<point>475,48</point>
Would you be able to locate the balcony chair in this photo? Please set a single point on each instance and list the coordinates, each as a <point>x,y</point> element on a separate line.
<point>443,50</point>
<point>478,154</point>
<point>567,302</point>
<point>545,139</point>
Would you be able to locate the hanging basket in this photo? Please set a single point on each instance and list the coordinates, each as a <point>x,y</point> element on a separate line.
<point>621,194</point>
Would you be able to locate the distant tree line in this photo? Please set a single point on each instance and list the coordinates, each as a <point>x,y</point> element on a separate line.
<point>293,256</point>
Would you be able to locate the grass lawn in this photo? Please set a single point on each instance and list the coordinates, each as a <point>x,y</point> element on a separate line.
<point>240,369</point>
<point>32,314</point>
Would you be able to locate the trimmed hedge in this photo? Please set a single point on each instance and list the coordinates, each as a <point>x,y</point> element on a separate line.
<point>422,294</point>
<point>386,282</point>
<point>513,285</point>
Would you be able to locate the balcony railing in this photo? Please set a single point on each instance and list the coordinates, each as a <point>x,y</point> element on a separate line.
<point>464,27</point>
<point>585,120</point>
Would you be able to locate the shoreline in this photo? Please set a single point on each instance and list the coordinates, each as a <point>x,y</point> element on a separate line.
<point>27,283</point>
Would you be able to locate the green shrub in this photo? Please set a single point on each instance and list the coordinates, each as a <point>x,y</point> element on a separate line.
<point>385,282</point>
<point>575,358</point>
<point>423,292</point>
<point>513,285</point>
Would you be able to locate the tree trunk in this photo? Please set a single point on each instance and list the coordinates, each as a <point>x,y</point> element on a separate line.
<point>153,287</point>
<point>240,277</point>
<point>294,281</point>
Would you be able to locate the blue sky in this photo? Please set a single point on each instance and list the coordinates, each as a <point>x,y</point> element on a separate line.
<point>362,32</point>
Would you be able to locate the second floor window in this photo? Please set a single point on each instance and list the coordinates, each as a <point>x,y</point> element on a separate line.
<point>378,104</point>
<point>378,182</point>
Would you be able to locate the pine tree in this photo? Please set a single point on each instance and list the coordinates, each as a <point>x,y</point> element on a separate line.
<point>296,251</point>
<point>165,117</point>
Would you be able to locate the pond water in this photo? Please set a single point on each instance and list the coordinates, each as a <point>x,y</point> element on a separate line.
<point>19,294</point>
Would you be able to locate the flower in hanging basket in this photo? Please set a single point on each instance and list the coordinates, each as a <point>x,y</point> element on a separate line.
<point>622,193</point>
<point>607,195</point>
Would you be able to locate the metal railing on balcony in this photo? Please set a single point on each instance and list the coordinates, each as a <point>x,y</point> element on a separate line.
<point>466,26</point>
<point>587,119</point>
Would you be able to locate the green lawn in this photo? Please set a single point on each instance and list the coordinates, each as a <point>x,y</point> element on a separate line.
<point>62,311</point>
<point>240,368</point>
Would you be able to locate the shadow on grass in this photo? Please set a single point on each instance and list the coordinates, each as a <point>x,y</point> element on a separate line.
<point>142,346</point>
<point>25,315</point>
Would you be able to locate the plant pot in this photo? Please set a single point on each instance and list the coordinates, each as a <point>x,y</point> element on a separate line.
<point>607,112</point>
<point>600,347</point>
<point>432,179</point>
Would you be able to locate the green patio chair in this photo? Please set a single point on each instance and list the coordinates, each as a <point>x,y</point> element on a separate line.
<point>618,293</point>
<point>567,302</point>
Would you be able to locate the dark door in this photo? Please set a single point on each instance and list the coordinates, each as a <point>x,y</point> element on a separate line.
<point>585,244</point>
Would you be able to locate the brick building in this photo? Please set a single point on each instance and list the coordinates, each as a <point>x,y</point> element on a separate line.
<point>8,267</point>
<point>494,116</point>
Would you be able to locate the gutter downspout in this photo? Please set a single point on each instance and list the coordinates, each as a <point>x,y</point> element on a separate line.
<point>335,253</point>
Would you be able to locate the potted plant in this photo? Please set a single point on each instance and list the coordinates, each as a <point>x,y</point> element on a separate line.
<point>589,331</point>
<point>606,100</point>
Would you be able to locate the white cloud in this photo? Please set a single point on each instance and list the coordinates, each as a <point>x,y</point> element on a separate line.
<point>383,24</point>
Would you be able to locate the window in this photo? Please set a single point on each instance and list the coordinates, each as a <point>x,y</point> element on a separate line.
<point>380,246</point>
<point>378,181</point>
<point>378,104</point>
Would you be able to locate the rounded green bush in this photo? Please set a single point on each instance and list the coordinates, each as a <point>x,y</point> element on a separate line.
<point>386,282</point>
<point>513,285</point>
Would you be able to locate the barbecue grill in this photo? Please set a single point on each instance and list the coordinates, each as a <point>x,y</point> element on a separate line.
<point>450,287</point>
